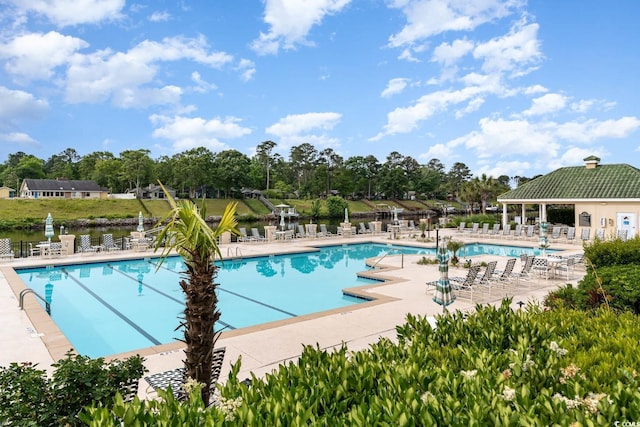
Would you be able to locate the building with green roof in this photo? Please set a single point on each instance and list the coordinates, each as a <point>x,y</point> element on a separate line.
<point>605,197</point>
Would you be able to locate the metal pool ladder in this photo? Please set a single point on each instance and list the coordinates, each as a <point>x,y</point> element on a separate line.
<point>25,292</point>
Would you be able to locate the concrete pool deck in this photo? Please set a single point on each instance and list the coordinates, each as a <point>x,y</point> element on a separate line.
<point>30,336</point>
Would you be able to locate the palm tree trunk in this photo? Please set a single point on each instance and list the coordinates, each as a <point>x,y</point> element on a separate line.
<point>200,315</point>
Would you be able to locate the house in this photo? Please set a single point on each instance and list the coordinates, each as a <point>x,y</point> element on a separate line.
<point>152,191</point>
<point>604,196</point>
<point>7,193</point>
<point>62,189</point>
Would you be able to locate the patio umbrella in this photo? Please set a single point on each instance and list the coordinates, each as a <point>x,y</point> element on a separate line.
<point>48,228</point>
<point>443,294</point>
<point>140,222</point>
<point>282,219</point>
<point>346,215</point>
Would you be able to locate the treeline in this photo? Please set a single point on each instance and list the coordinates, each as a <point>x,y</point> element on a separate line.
<point>307,173</point>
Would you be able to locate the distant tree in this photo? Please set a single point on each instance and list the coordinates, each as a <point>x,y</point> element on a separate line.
<point>231,168</point>
<point>264,158</point>
<point>63,165</point>
<point>87,164</point>
<point>196,167</point>
<point>136,168</point>
<point>458,174</point>
<point>28,166</point>
<point>304,158</point>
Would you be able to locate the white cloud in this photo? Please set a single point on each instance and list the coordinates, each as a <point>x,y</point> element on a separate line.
<point>163,16</point>
<point>516,52</point>
<point>36,55</point>
<point>406,119</point>
<point>592,129</point>
<point>64,12</point>
<point>296,129</point>
<point>426,18</point>
<point>105,74</point>
<point>291,20</point>
<point>201,85</point>
<point>447,54</point>
<point>247,69</point>
<point>394,87</point>
<point>17,104</point>
<point>17,138</point>
<point>191,132</point>
<point>548,103</point>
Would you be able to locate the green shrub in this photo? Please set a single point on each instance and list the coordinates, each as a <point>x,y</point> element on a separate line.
<point>620,282</point>
<point>29,397</point>
<point>494,367</point>
<point>613,252</point>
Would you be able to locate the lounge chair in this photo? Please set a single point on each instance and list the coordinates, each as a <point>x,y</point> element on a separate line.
<point>503,277</point>
<point>485,229</point>
<point>525,271</point>
<point>474,228</point>
<point>255,235</point>
<point>488,273</point>
<point>301,234</point>
<point>176,377</point>
<point>495,231</point>
<point>243,236</point>
<point>517,232</point>
<point>556,233</point>
<point>622,235</point>
<point>570,237</point>
<point>530,234</point>
<point>506,233</point>
<point>412,225</point>
<point>324,232</point>
<point>364,229</point>
<point>108,244</point>
<point>585,235</point>
<point>566,265</point>
<point>466,284</point>
<point>461,227</point>
<point>6,253</point>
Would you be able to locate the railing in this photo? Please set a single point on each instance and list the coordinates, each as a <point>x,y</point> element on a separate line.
<point>231,249</point>
<point>387,253</point>
<point>25,292</point>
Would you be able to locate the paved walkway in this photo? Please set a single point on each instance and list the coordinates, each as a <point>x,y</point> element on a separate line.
<point>262,348</point>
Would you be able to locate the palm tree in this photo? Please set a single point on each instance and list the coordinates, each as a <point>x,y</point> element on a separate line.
<point>188,234</point>
<point>454,246</point>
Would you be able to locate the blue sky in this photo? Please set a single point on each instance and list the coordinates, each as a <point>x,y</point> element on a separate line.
<point>507,87</point>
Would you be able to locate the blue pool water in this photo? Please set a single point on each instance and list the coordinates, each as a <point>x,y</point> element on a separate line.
<point>113,307</point>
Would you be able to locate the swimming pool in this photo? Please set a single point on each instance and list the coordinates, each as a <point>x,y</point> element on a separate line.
<point>113,307</point>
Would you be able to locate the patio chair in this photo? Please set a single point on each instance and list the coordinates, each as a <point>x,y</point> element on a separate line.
<point>474,228</point>
<point>371,228</point>
<point>6,253</point>
<point>255,235</point>
<point>243,236</point>
<point>86,246</point>
<point>570,237</point>
<point>540,266</point>
<point>488,273</point>
<point>364,229</point>
<point>566,266</point>
<point>176,377</point>
<point>108,243</point>
<point>301,234</point>
<point>506,233</point>
<point>530,234</point>
<point>495,231</point>
<point>324,232</point>
<point>556,233</point>
<point>525,271</point>
<point>517,232</point>
<point>461,227</point>
<point>485,229</point>
<point>412,225</point>
<point>503,277</point>
<point>34,251</point>
<point>55,249</point>
<point>585,235</point>
<point>466,284</point>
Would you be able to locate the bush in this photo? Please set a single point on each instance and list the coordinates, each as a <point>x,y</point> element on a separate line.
<point>494,367</point>
<point>613,252</point>
<point>28,397</point>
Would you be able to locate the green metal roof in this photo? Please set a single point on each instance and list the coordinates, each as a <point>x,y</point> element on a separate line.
<point>617,181</point>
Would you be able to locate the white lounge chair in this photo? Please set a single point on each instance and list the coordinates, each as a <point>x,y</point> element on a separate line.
<point>6,253</point>
<point>255,235</point>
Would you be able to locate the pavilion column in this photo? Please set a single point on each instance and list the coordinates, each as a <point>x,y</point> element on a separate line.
<point>523,220</point>
<point>504,215</point>
<point>543,212</point>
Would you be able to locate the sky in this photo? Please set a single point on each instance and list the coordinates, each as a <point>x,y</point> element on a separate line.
<point>507,87</point>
